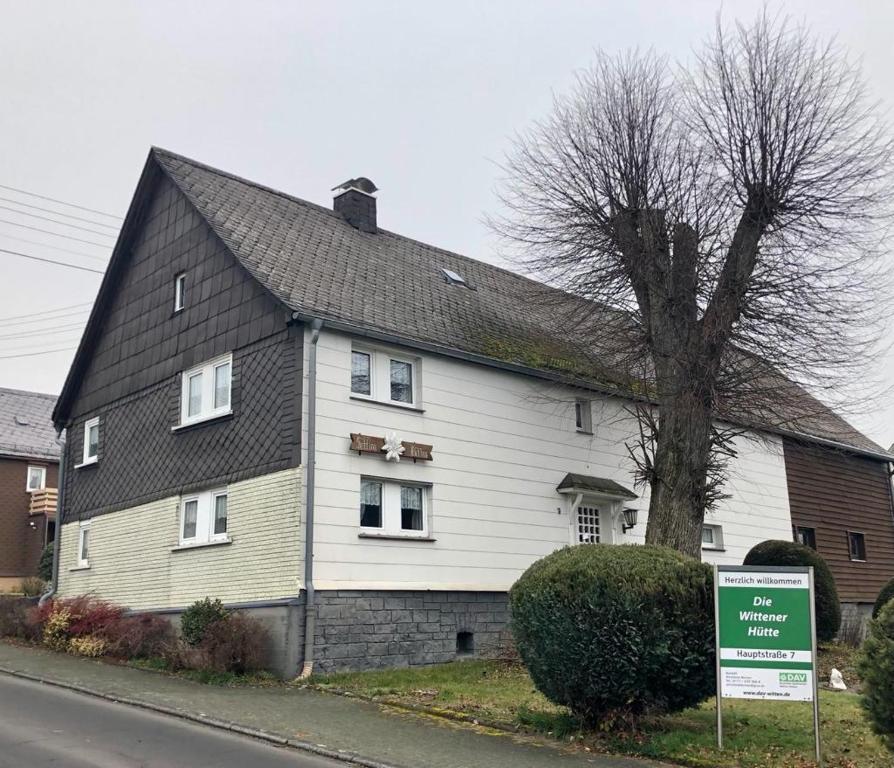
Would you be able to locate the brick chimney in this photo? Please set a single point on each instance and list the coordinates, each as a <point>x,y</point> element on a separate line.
<point>355,202</point>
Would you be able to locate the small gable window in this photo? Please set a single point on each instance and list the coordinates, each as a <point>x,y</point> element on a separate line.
<point>91,442</point>
<point>179,291</point>
<point>583,416</point>
<point>37,479</point>
<point>206,391</point>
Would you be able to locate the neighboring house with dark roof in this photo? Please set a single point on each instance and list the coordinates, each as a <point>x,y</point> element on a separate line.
<point>255,365</point>
<point>29,465</point>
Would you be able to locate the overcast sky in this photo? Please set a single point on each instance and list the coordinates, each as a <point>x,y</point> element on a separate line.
<point>421,97</point>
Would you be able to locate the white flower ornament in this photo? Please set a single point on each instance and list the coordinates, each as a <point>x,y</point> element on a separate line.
<point>392,447</point>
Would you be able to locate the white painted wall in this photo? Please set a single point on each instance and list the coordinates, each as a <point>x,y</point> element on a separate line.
<point>133,560</point>
<point>502,443</point>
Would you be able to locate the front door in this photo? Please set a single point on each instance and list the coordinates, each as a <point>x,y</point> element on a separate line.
<point>588,525</point>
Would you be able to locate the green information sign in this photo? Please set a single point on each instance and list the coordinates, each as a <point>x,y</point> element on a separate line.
<point>766,636</point>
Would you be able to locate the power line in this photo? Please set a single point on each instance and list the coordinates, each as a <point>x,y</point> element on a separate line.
<point>56,221</point>
<point>46,311</point>
<point>61,202</point>
<point>57,213</point>
<point>57,234</point>
<point>51,261</point>
<point>68,328</point>
<point>103,259</point>
<point>35,354</point>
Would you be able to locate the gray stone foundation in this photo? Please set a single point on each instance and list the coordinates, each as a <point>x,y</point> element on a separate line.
<point>358,630</point>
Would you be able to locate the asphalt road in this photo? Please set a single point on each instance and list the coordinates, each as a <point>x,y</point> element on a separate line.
<point>41,725</point>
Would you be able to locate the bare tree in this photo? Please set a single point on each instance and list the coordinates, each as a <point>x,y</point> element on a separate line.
<point>727,221</point>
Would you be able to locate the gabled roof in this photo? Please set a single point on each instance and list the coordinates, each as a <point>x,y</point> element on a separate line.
<point>26,426</point>
<point>390,286</point>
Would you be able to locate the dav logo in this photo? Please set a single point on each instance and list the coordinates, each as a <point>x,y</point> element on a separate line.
<point>792,677</point>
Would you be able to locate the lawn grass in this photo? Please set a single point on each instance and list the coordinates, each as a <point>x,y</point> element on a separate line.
<point>757,734</point>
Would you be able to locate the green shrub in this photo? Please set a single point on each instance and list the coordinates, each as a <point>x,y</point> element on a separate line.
<point>615,632</point>
<point>883,597</point>
<point>196,619</point>
<point>827,607</point>
<point>45,566</point>
<point>876,669</point>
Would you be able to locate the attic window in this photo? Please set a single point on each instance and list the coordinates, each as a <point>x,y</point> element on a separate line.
<point>179,291</point>
<point>452,277</point>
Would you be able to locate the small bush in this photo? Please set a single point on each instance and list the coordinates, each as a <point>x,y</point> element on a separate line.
<point>827,607</point>
<point>45,566</point>
<point>139,636</point>
<point>55,629</point>
<point>88,645</point>
<point>32,587</point>
<point>236,644</point>
<point>13,615</point>
<point>876,668</point>
<point>883,597</point>
<point>198,617</point>
<point>617,632</point>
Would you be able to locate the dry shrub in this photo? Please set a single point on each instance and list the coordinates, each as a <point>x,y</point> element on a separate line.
<point>13,616</point>
<point>32,586</point>
<point>139,636</point>
<point>237,644</point>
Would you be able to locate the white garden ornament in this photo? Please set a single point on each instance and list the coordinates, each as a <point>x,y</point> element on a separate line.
<point>392,447</point>
<point>836,680</point>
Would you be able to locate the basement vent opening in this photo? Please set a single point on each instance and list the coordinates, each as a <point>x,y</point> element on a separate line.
<point>465,643</point>
<point>452,277</point>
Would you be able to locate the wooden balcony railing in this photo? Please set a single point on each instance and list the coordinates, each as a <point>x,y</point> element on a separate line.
<point>44,502</point>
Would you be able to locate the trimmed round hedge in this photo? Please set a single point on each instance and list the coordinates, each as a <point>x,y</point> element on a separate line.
<point>883,597</point>
<point>827,606</point>
<point>614,632</point>
<point>876,668</point>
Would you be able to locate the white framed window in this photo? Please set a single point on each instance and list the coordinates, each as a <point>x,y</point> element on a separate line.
<point>203,517</point>
<point>206,391</point>
<point>91,441</point>
<point>385,377</point>
<point>179,291</point>
<point>84,545</point>
<point>36,479</point>
<point>393,508</point>
<point>712,537</point>
<point>583,416</point>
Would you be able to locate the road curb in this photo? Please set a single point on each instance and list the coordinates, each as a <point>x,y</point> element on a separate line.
<point>223,725</point>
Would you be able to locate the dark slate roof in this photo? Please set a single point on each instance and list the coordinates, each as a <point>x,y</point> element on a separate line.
<point>314,262</point>
<point>595,484</point>
<point>26,426</point>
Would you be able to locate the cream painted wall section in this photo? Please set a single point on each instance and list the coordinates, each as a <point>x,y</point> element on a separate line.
<point>132,562</point>
<point>502,443</point>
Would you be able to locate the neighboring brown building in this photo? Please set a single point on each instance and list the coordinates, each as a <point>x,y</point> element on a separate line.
<point>29,466</point>
<point>841,505</point>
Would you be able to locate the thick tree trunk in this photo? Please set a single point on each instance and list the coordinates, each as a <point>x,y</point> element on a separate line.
<point>682,457</point>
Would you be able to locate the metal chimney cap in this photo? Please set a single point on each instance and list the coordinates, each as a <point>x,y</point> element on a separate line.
<point>362,183</point>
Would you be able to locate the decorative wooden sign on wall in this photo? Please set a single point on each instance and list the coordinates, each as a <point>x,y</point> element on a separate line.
<point>372,444</point>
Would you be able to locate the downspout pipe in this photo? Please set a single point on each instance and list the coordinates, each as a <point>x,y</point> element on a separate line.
<point>57,534</point>
<point>310,614</point>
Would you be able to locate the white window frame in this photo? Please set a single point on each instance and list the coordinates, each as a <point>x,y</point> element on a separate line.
<point>179,291</point>
<point>83,534</point>
<point>205,506</point>
<point>585,408</point>
<point>380,376</point>
<point>207,371</point>
<point>43,478</point>
<point>717,535</point>
<point>86,458</point>
<point>391,509</point>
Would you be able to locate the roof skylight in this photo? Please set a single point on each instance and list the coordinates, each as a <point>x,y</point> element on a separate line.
<point>452,277</point>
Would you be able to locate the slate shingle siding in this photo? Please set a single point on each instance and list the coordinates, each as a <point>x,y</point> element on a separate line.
<point>133,380</point>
